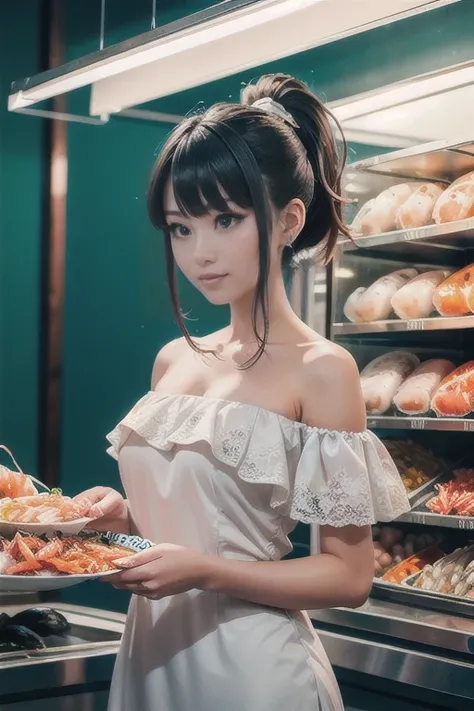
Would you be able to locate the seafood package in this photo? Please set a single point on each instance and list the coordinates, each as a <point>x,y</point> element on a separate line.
<point>392,546</point>
<point>414,394</point>
<point>28,629</point>
<point>451,575</point>
<point>416,299</point>
<point>21,506</point>
<point>381,214</point>
<point>456,202</point>
<point>374,303</point>
<point>455,497</point>
<point>33,563</point>
<point>416,204</point>
<point>410,295</point>
<point>454,396</point>
<point>413,565</point>
<point>416,464</point>
<point>382,377</point>
<point>435,386</point>
<point>454,296</point>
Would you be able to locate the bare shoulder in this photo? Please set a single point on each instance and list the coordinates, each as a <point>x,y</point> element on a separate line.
<point>175,350</point>
<point>167,355</point>
<point>331,392</point>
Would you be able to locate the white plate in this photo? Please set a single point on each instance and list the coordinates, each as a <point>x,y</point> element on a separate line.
<point>38,583</point>
<point>69,528</point>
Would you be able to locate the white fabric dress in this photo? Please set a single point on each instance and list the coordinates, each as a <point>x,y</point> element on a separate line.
<point>232,480</point>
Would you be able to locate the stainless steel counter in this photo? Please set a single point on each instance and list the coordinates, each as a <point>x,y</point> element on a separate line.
<point>86,660</point>
<point>410,646</point>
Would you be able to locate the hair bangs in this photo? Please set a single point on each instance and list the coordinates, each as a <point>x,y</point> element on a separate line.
<point>206,177</point>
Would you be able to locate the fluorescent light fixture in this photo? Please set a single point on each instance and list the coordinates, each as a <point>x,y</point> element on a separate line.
<point>233,36</point>
<point>429,107</point>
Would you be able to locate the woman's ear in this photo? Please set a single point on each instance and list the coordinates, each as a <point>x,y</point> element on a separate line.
<point>292,219</point>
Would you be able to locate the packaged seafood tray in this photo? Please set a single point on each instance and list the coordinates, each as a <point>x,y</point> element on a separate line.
<point>446,584</point>
<point>448,502</point>
<point>416,465</point>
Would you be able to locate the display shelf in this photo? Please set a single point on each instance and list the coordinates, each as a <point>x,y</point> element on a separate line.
<point>426,518</point>
<point>439,424</point>
<point>398,326</point>
<point>453,236</point>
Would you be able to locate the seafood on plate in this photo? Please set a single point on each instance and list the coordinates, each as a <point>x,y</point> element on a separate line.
<point>13,484</point>
<point>42,508</point>
<point>455,497</point>
<point>90,554</point>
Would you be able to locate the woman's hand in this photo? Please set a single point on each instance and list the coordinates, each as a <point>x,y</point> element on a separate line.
<point>160,571</point>
<point>107,507</point>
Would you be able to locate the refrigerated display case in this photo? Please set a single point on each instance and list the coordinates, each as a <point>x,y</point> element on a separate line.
<point>409,642</point>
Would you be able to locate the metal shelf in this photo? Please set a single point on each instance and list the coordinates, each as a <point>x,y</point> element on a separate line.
<point>439,424</point>
<point>437,160</point>
<point>426,518</point>
<point>453,236</point>
<point>437,323</point>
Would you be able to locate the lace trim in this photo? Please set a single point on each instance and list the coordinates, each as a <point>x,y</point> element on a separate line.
<point>318,476</point>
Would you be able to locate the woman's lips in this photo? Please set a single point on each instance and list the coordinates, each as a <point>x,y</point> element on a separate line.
<point>212,279</point>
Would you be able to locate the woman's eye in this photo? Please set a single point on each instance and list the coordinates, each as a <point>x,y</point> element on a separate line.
<point>226,221</point>
<point>177,230</point>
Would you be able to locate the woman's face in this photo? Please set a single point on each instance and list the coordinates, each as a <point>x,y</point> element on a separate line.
<point>218,253</point>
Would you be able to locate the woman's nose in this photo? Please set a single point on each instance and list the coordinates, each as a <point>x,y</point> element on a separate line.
<point>204,251</point>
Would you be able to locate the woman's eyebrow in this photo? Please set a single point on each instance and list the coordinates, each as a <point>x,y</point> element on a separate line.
<point>174,212</point>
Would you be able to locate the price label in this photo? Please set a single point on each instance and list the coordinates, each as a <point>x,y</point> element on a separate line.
<point>410,235</point>
<point>417,424</point>
<point>469,426</point>
<point>417,517</point>
<point>466,523</point>
<point>416,324</point>
<point>371,424</point>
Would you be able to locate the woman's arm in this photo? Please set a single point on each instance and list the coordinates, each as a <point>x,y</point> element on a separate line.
<point>341,575</point>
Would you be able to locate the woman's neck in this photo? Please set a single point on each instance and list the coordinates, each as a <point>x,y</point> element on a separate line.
<point>280,315</point>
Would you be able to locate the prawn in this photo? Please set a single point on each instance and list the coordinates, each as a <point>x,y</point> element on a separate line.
<point>14,484</point>
<point>51,550</point>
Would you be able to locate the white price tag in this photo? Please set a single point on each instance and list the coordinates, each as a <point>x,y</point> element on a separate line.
<point>416,324</point>
<point>417,424</point>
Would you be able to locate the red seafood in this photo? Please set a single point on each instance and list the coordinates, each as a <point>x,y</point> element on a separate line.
<point>70,555</point>
<point>455,394</point>
<point>13,484</point>
<point>42,508</point>
<point>456,497</point>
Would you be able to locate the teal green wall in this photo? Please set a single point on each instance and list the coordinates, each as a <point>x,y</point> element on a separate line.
<point>21,171</point>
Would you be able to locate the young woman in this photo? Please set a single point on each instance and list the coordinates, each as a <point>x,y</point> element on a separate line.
<point>245,432</point>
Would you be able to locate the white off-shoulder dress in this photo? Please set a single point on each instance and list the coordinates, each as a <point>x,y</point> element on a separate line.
<point>232,480</point>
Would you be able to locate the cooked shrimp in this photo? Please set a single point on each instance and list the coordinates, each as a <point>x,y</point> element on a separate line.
<point>14,484</point>
<point>51,549</point>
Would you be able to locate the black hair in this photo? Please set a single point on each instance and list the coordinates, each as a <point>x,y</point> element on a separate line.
<point>255,159</point>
